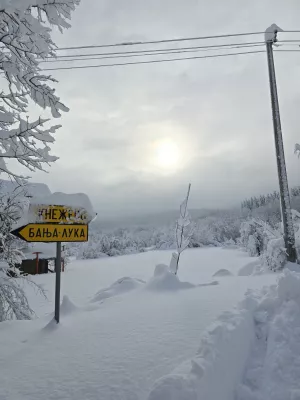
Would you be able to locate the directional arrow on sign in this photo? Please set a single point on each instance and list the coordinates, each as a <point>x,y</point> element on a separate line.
<point>52,233</point>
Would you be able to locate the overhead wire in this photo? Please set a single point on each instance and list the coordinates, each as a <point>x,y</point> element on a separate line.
<point>152,61</point>
<point>159,52</point>
<point>156,51</point>
<point>136,43</point>
<point>144,53</point>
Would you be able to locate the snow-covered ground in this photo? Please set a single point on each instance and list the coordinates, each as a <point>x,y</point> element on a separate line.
<point>114,344</point>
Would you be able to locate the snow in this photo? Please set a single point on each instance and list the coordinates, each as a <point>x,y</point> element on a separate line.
<point>217,368</point>
<point>67,307</point>
<point>273,367</point>
<point>164,279</point>
<point>118,348</point>
<point>248,269</point>
<point>249,354</point>
<point>271,32</point>
<point>121,286</point>
<point>74,201</point>
<point>222,272</point>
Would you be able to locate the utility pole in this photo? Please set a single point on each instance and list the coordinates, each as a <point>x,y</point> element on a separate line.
<point>287,221</point>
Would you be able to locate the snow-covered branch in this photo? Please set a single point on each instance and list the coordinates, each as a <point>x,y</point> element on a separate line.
<point>183,232</point>
<point>25,38</point>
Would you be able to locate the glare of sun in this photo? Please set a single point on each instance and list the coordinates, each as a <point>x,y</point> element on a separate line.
<point>167,154</point>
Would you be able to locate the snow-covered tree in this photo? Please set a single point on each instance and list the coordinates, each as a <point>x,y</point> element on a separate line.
<point>25,40</point>
<point>252,236</point>
<point>12,206</point>
<point>13,300</point>
<point>183,233</point>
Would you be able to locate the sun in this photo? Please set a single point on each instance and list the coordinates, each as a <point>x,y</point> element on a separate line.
<point>167,154</point>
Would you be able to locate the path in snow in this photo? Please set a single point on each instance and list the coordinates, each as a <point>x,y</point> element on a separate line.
<point>116,350</point>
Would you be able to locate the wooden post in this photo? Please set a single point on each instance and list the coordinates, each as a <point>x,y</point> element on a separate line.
<point>37,260</point>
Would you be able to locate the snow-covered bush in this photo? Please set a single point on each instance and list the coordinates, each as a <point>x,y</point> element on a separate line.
<point>252,237</point>
<point>275,256</point>
<point>216,230</point>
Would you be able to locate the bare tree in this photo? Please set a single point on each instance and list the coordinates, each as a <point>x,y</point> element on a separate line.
<point>183,232</point>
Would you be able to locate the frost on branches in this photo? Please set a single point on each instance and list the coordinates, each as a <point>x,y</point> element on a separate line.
<point>183,233</point>
<point>12,207</point>
<point>13,301</point>
<point>25,40</point>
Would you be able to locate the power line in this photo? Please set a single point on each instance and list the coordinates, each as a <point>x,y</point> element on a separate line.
<point>216,47</point>
<point>161,41</point>
<point>289,41</point>
<point>143,54</point>
<point>287,51</point>
<point>153,61</point>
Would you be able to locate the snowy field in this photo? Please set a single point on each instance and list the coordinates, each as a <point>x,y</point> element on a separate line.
<point>115,344</point>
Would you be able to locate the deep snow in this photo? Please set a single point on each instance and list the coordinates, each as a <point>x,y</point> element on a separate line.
<point>117,348</point>
<point>273,367</point>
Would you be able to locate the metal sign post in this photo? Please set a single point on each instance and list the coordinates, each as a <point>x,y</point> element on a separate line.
<point>55,224</point>
<point>57,281</point>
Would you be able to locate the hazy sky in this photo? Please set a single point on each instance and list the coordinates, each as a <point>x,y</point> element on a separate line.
<point>213,115</point>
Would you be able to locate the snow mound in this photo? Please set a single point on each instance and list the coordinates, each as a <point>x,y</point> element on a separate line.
<point>248,269</point>
<point>121,286</point>
<point>293,267</point>
<point>164,279</point>
<point>289,286</point>
<point>223,272</point>
<point>217,368</point>
<point>67,306</point>
<point>273,367</point>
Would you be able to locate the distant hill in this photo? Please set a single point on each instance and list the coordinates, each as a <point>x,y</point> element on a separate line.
<point>157,219</point>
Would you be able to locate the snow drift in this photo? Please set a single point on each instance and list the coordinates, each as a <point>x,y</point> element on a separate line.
<point>249,354</point>
<point>223,272</point>
<point>164,279</point>
<point>67,306</point>
<point>119,287</point>
<point>273,367</point>
<point>215,371</point>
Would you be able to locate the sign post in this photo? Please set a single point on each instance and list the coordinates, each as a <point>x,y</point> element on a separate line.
<point>55,223</point>
<point>57,281</point>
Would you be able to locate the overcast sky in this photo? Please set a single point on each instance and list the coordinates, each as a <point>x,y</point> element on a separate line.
<point>216,112</point>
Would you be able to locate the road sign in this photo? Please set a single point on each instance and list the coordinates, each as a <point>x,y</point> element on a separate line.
<point>52,233</point>
<point>58,214</point>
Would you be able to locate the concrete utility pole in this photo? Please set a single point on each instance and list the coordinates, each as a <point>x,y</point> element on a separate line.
<point>287,221</point>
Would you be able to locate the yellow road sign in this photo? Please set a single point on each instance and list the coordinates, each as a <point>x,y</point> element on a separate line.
<point>52,233</point>
<point>58,214</point>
